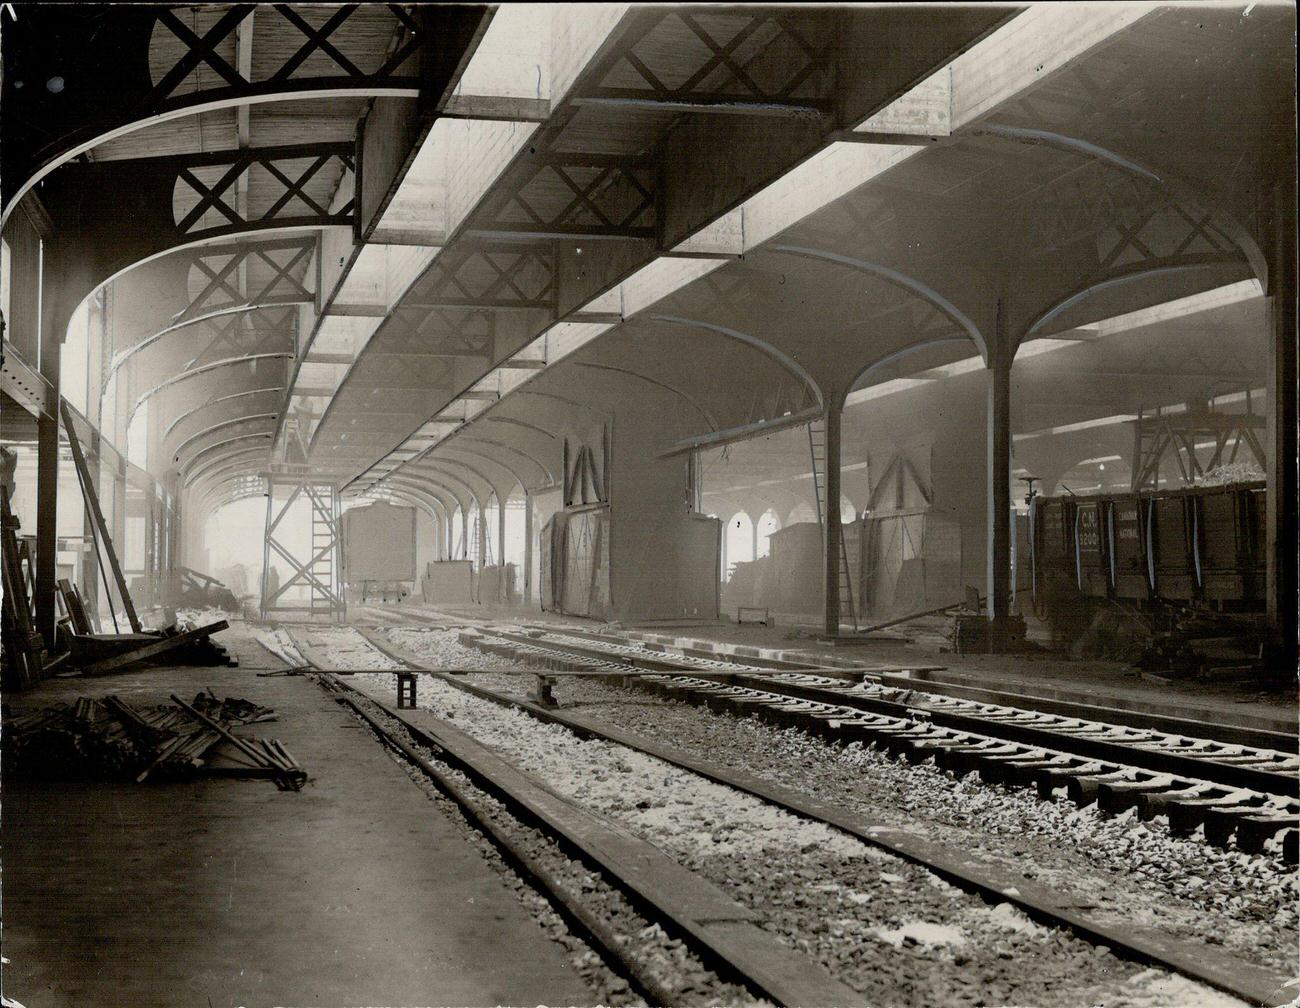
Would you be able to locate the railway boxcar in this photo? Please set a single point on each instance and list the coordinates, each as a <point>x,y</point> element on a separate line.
<point>1229,545</point>
<point>1128,544</point>
<point>1171,552</point>
<point>1055,570</point>
<point>1092,546</point>
<point>1199,545</point>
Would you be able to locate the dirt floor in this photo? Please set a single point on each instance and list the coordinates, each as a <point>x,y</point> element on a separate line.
<point>354,890</point>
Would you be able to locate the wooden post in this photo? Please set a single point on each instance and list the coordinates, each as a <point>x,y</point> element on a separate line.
<point>47,503</point>
<point>92,499</point>
<point>831,518</point>
<point>1002,352</point>
<point>1280,518</point>
<point>90,571</point>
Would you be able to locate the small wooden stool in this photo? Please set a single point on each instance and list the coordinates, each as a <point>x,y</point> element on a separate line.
<point>406,690</point>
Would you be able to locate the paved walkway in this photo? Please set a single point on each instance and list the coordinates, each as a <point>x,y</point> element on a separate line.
<point>226,892</point>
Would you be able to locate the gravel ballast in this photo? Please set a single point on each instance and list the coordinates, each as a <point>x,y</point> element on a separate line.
<point>888,928</point>
<point>665,958</point>
<point>1127,870</point>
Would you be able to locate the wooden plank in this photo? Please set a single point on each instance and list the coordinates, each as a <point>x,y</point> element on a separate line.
<point>27,648</point>
<point>92,500</point>
<point>161,646</point>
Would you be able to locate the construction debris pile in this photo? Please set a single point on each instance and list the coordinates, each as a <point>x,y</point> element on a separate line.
<point>110,739</point>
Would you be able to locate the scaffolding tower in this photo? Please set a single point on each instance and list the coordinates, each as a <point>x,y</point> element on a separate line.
<point>313,592</point>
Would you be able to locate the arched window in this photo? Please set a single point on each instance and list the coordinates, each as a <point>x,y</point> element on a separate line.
<point>767,524</point>
<point>458,534</point>
<point>740,541</point>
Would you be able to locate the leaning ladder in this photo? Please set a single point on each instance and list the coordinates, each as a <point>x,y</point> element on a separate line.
<point>817,449</point>
<point>324,545</point>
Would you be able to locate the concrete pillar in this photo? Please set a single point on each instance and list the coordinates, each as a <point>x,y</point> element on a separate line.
<point>831,519</point>
<point>481,558</point>
<point>1280,523</point>
<point>150,547</point>
<point>1001,352</point>
<point>528,548</point>
<point>501,547</point>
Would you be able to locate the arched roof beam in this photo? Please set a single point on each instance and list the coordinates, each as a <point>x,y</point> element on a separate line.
<point>210,497</point>
<point>203,369</point>
<point>118,92</point>
<point>1138,274</point>
<point>1233,228</point>
<point>502,446</point>
<point>902,354</point>
<point>487,481</point>
<point>445,449</point>
<point>450,481</point>
<point>786,361</point>
<point>187,472</point>
<point>435,490</point>
<point>229,463</point>
<point>248,418</point>
<point>899,279</point>
<point>709,418</point>
<point>275,390</point>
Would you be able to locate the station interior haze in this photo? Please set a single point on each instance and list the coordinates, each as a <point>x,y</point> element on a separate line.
<point>925,346</point>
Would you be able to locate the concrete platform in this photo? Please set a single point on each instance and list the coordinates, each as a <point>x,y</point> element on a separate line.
<point>226,892</point>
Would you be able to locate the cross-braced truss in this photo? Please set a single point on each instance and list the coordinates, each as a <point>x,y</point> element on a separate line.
<point>265,330</point>
<point>1160,435</point>
<point>1130,221</point>
<point>721,57</point>
<point>313,589</point>
<point>294,185</point>
<point>487,276</point>
<point>330,50</point>
<point>276,271</point>
<point>414,329</point>
<point>584,197</point>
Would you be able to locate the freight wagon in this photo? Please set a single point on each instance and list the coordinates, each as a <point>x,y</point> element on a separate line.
<point>1198,546</point>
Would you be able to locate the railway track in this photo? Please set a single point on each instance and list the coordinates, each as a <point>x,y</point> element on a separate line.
<point>687,907</point>
<point>1232,792</point>
<point>1211,965</point>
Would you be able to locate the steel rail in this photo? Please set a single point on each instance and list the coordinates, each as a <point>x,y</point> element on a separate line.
<point>1209,964</point>
<point>718,928</point>
<point>1168,755</point>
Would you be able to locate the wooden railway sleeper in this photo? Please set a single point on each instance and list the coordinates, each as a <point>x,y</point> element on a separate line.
<point>1221,820</point>
<point>923,748</point>
<point>1082,790</point>
<point>1118,796</point>
<point>1016,770</point>
<point>961,760</point>
<point>1156,803</point>
<point>1049,778</point>
<point>1254,831</point>
<point>1187,814</point>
